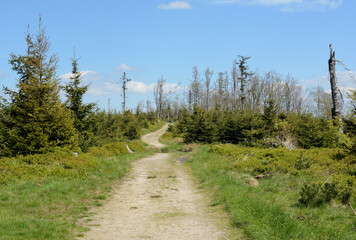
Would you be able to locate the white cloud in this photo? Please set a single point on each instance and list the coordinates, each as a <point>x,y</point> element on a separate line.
<point>139,87</point>
<point>176,5</point>
<point>124,67</point>
<point>289,5</point>
<point>88,76</point>
<point>111,87</point>
<point>346,81</point>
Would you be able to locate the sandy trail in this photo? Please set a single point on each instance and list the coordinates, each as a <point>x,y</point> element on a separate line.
<point>152,138</point>
<point>158,200</point>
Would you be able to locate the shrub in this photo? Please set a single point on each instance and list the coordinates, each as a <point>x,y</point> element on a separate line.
<point>61,162</point>
<point>314,195</point>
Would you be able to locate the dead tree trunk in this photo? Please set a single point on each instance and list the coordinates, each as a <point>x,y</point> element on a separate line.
<point>335,92</point>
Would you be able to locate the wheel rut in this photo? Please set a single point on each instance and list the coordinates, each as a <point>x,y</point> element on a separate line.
<point>158,200</point>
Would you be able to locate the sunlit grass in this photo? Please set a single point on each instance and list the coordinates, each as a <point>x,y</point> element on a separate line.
<point>270,210</point>
<point>50,208</point>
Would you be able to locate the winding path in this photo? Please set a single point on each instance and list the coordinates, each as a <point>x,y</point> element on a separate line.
<point>158,200</point>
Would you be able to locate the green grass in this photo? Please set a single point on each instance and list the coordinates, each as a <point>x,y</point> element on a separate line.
<point>51,207</point>
<point>172,144</point>
<point>269,209</point>
<point>47,196</point>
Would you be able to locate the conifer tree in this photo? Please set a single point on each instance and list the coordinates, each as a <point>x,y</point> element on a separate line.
<point>269,116</point>
<point>244,74</point>
<point>75,92</point>
<point>81,112</point>
<point>37,121</point>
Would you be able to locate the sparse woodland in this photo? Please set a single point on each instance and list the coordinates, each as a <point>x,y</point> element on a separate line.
<point>248,124</point>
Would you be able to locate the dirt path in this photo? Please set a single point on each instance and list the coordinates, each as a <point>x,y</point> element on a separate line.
<point>158,200</point>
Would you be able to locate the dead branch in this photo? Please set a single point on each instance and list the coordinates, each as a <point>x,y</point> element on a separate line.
<point>352,209</point>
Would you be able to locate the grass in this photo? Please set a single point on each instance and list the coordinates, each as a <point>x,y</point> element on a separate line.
<point>172,144</point>
<point>270,209</point>
<point>52,207</point>
<point>47,196</point>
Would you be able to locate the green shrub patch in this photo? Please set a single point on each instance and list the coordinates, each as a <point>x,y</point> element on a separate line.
<point>61,162</point>
<point>281,193</point>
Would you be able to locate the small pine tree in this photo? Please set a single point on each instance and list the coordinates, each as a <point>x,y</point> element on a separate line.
<point>37,120</point>
<point>80,112</point>
<point>199,128</point>
<point>75,92</point>
<point>269,117</point>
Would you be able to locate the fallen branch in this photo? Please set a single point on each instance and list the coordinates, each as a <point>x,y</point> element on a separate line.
<point>352,209</point>
<point>128,149</point>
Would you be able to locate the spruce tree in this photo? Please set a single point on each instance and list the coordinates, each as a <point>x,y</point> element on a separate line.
<point>75,92</point>
<point>269,117</point>
<point>81,112</point>
<point>37,121</point>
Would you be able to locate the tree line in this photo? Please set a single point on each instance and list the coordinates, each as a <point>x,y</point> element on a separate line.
<point>33,119</point>
<point>265,110</point>
<point>242,89</point>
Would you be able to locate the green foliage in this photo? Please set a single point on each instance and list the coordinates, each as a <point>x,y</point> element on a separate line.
<point>172,143</point>
<point>337,165</point>
<point>262,130</point>
<point>269,116</point>
<point>314,195</point>
<point>199,129</point>
<point>267,208</point>
<point>183,122</point>
<point>36,121</point>
<point>350,121</point>
<point>80,112</point>
<point>60,162</point>
<point>54,206</point>
<point>109,127</point>
<point>312,131</point>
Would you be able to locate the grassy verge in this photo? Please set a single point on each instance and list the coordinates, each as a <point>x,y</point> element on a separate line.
<point>45,197</point>
<point>268,208</point>
<point>172,144</point>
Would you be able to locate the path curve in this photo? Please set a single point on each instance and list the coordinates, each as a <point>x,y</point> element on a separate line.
<point>152,138</point>
<point>158,200</point>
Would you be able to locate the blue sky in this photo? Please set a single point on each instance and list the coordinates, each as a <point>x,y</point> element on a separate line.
<point>148,39</point>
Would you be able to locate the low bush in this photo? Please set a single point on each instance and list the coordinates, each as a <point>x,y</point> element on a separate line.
<point>269,209</point>
<point>314,195</point>
<point>336,166</point>
<point>61,162</point>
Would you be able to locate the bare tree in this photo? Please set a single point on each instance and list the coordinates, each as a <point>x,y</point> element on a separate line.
<point>220,90</point>
<point>322,102</point>
<point>195,86</point>
<point>124,81</point>
<point>255,92</point>
<point>234,84</point>
<point>159,95</point>
<point>289,84</point>
<point>208,75</point>
<point>335,91</point>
